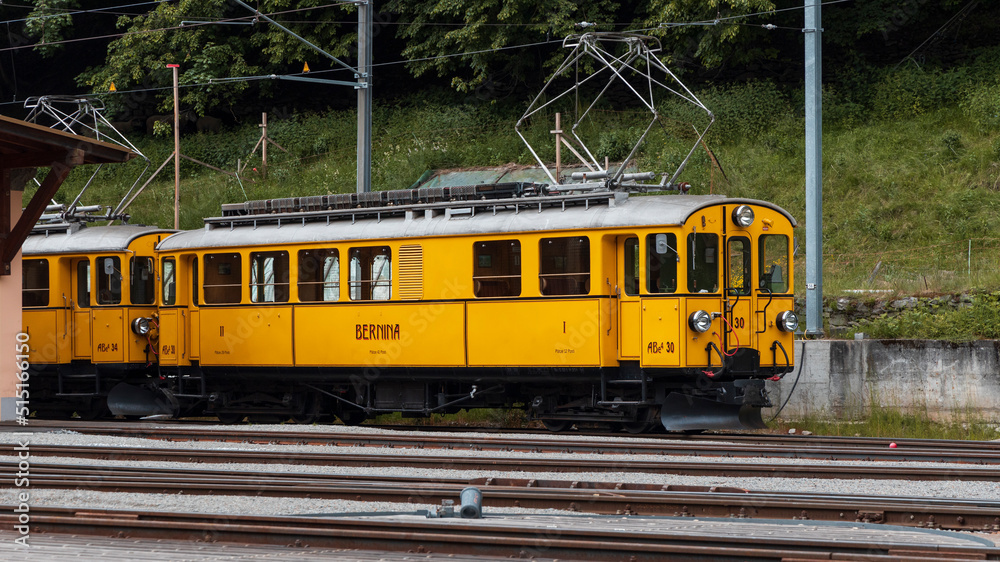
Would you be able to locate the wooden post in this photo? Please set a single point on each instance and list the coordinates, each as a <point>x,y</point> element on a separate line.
<point>177,149</point>
<point>558,133</point>
<point>263,148</point>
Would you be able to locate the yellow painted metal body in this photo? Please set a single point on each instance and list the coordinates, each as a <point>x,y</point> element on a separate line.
<point>64,329</point>
<point>433,317</point>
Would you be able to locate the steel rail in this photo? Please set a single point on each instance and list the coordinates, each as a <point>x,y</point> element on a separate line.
<point>976,453</point>
<point>607,498</point>
<point>616,539</point>
<point>516,464</point>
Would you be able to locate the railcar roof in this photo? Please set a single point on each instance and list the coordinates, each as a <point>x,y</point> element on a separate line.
<point>87,239</point>
<point>632,211</point>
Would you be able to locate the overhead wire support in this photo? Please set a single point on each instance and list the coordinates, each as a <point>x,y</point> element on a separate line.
<point>363,84</point>
<point>616,67</point>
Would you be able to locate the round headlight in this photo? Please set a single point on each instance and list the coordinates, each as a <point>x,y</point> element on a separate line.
<point>700,321</point>
<point>743,216</point>
<point>140,326</point>
<point>788,321</point>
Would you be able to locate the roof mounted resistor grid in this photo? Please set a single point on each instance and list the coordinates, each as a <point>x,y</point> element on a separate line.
<point>396,198</point>
<point>428,202</point>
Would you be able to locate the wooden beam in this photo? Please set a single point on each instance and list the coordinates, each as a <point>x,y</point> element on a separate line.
<point>33,159</point>
<point>57,174</point>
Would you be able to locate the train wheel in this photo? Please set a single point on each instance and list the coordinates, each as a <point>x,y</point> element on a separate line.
<point>646,420</point>
<point>352,417</point>
<point>311,412</point>
<point>97,409</point>
<point>556,425</point>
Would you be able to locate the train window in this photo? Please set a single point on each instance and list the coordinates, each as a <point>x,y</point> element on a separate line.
<point>141,288</point>
<point>109,280</point>
<point>661,263</point>
<point>371,274</point>
<point>738,276</point>
<point>169,281</point>
<point>269,277</point>
<point>194,280</point>
<point>35,283</point>
<point>703,263</point>
<point>223,278</point>
<point>774,263</point>
<point>83,283</point>
<point>319,275</point>
<point>496,268</point>
<point>632,266</point>
<point>565,266</point>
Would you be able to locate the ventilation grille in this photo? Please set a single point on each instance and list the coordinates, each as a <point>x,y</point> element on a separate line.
<point>411,272</point>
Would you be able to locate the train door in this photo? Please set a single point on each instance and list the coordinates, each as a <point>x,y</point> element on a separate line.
<point>702,263</point>
<point>192,331</point>
<point>629,311</point>
<point>172,318</point>
<point>738,292</point>
<point>81,309</point>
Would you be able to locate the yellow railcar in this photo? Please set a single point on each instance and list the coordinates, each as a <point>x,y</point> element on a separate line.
<point>88,295</point>
<point>603,307</point>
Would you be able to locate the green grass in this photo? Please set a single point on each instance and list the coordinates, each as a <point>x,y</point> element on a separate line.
<point>480,417</point>
<point>894,423</point>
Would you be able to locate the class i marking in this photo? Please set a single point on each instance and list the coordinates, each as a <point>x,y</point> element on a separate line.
<point>660,347</point>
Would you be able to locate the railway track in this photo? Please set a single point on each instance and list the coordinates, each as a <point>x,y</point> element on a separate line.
<point>629,538</point>
<point>975,452</point>
<point>515,463</point>
<point>607,498</point>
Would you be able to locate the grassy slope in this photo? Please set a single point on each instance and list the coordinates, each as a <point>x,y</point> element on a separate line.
<point>907,190</point>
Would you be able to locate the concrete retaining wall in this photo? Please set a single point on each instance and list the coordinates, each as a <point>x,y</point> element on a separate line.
<point>843,378</point>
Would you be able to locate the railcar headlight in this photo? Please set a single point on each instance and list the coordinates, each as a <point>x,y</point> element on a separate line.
<point>743,216</point>
<point>141,326</point>
<point>700,321</point>
<point>788,321</point>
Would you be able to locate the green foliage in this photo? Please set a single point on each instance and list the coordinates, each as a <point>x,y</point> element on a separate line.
<point>980,320</point>
<point>49,22</point>
<point>442,28</point>
<point>710,45</point>
<point>913,90</point>
<point>743,111</point>
<point>982,106</point>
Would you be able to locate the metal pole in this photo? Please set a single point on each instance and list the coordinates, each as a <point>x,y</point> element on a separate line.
<point>364,97</point>
<point>814,168</point>
<point>177,150</point>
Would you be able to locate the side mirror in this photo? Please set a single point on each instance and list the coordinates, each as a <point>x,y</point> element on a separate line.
<point>109,266</point>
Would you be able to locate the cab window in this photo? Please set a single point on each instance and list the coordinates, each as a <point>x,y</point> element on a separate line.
<point>169,281</point>
<point>632,266</point>
<point>661,263</point>
<point>223,278</point>
<point>35,283</point>
<point>371,274</point>
<point>774,263</point>
<point>269,277</point>
<point>703,263</point>
<point>109,280</point>
<point>319,275</point>
<point>496,266</point>
<point>565,266</point>
<point>738,276</point>
<point>141,285</point>
<point>83,283</point>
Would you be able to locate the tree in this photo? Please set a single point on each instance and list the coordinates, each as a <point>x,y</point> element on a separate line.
<point>438,31</point>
